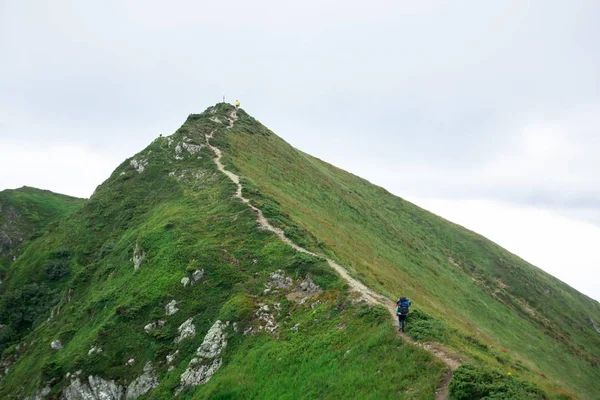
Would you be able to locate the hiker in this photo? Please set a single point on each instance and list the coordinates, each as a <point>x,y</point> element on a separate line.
<point>402,308</point>
<point>237,104</point>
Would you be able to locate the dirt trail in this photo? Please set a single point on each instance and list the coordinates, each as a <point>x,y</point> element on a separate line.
<point>365,293</point>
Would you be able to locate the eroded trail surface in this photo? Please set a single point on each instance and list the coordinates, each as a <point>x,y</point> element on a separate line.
<point>366,294</point>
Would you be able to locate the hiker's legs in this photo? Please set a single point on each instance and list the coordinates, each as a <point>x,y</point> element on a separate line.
<point>399,322</point>
<point>402,318</point>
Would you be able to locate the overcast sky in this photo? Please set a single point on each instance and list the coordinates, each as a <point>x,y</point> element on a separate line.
<point>487,113</point>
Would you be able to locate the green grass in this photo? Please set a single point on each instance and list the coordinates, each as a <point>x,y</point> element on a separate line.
<point>181,213</point>
<point>27,213</point>
<point>498,310</point>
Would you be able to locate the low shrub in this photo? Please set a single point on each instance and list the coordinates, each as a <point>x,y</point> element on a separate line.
<point>478,382</point>
<point>422,326</point>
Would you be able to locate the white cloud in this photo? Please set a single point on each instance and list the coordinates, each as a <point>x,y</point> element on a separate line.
<point>68,169</point>
<point>563,247</point>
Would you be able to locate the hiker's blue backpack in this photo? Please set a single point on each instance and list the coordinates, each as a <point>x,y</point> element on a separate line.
<point>403,305</point>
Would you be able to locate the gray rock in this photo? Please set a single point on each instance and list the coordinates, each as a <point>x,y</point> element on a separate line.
<point>214,341</point>
<point>279,280</point>
<point>94,349</point>
<point>139,165</point>
<point>56,345</point>
<point>186,330</point>
<point>138,256</point>
<point>185,281</point>
<point>178,150</point>
<point>143,384</point>
<point>202,368</point>
<point>130,362</point>
<point>153,325</point>
<point>192,148</point>
<point>171,357</point>
<point>171,308</point>
<point>40,394</point>
<point>199,374</point>
<point>95,388</point>
<point>596,327</point>
<point>198,274</point>
<point>309,286</point>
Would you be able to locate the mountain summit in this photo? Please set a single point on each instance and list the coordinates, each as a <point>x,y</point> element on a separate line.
<point>220,262</point>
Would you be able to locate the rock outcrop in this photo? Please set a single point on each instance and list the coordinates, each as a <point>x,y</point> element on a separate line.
<point>203,367</point>
<point>186,330</point>
<point>143,384</point>
<point>95,388</point>
<point>171,308</point>
<point>56,345</point>
<point>138,256</point>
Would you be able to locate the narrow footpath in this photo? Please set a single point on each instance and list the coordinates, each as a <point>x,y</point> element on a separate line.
<point>366,294</point>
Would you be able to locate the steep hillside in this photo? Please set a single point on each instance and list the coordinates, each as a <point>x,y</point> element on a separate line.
<point>493,308</point>
<point>164,283</point>
<point>26,213</point>
<point>167,282</point>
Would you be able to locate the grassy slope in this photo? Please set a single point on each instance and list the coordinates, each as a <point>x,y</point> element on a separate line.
<point>26,213</point>
<point>487,303</point>
<point>182,214</point>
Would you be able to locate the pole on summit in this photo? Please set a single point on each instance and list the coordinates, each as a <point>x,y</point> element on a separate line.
<point>223,98</point>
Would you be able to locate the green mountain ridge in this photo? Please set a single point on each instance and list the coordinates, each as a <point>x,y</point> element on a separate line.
<point>25,213</point>
<point>163,284</point>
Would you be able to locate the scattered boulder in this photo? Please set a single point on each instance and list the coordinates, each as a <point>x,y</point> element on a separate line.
<point>299,292</point>
<point>139,165</point>
<point>596,327</point>
<point>94,349</point>
<point>170,359</point>
<point>138,256</point>
<point>130,362</point>
<point>279,280</point>
<point>198,274</point>
<point>266,321</point>
<point>186,330</point>
<point>178,150</point>
<point>171,308</point>
<point>304,290</point>
<point>192,148</point>
<point>185,281</point>
<point>56,345</point>
<point>153,325</point>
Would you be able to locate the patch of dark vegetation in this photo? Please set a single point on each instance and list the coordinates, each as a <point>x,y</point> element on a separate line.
<point>422,326</point>
<point>56,270</point>
<point>479,382</point>
<point>25,308</point>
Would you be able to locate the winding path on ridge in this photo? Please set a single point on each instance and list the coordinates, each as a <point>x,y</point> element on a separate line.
<point>366,294</point>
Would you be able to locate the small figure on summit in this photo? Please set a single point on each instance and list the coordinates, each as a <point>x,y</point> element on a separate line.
<point>402,309</point>
<point>237,104</point>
